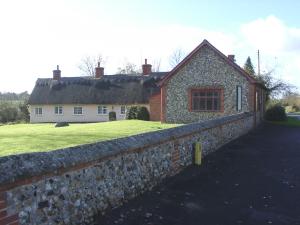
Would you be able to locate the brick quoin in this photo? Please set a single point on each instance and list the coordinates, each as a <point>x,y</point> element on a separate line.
<point>3,213</point>
<point>2,196</point>
<point>6,219</point>
<point>163,104</point>
<point>155,107</point>
<point>175,158</point>
<point>2,205</point>
<point>9,220</point>
<point>14,223</point>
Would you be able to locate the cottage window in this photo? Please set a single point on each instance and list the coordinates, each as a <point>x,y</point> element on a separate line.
<point>123,109</point>
<point>78,110</point>
<point>206,100</point>
<point>58,110</point>
<point>102,109</point>
<point>38,111</point>
<point>238,98</point>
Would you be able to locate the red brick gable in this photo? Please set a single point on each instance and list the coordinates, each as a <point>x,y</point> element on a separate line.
<point>155,107</point>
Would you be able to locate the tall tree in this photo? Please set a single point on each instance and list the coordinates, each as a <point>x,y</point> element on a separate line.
<point>88,64</point>
<point>248,67</point>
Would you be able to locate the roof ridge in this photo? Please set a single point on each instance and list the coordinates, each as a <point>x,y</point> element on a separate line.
<point>192,53</point>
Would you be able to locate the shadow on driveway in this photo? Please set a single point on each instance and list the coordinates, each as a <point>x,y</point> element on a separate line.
<point>252,180</point>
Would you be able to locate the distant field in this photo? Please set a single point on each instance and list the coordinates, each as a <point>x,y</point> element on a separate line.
<point>21,138</point>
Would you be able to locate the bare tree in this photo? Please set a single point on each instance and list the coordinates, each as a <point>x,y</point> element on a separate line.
<point>275,87</point>
<point>175,58</point>
<point>88,64</point>
<point>128,68</point>
<point>156,65</point>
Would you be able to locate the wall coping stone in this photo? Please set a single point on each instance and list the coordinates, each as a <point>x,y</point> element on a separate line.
<point>25,166</point>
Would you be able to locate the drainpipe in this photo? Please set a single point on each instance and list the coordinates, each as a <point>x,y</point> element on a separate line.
<point>254,105</point>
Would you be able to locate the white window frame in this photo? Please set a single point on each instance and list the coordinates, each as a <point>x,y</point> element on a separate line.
<point>58,110</point>
<point>102,110</point>
<point>121,111</point>
<point>239,98</point>
<point>38,111</point>
<point>76,113</point>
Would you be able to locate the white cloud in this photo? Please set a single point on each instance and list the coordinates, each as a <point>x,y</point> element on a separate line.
<point>38,35</point>
<point>278,43</point>
<point>271,35</point>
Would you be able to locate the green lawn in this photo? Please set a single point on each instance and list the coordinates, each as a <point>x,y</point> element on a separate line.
<point>21,138</point>
<point>290,122</point>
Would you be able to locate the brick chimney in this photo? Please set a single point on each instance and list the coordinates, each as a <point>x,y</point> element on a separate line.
<point>56,73</point>
<point>146,68</point>
<point>99,71</point>
<point>231,57</point>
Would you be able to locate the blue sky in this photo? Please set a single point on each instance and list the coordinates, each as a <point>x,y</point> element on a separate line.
<point>38,35</point>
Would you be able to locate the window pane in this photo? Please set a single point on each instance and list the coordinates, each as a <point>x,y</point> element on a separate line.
<point>202,104</point>
<point>206,100</point>
<point>209,104</point>
<point>196,104</point>
<point>239,98</point>
<point>102,109</point>
<point>77,110</point>
<point>216,104</point>
<point>209,93</point>
<point>123,109</point>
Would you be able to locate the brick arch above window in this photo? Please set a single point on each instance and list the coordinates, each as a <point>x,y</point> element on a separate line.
<point>206,99</point>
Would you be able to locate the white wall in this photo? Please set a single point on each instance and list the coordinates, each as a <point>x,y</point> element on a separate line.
<point>90,113</point>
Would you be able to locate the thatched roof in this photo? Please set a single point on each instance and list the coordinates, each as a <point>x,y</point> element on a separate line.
<point>110,89</point>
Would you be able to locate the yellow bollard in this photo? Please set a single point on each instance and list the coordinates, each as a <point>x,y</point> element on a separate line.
<point>198,153</point>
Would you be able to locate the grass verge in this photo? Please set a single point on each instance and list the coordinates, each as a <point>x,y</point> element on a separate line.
<point>24,138</point>
<point>294,122</point>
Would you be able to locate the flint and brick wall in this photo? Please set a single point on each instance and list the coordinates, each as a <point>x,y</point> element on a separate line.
<point>72,185</point>
<point>205,70</point>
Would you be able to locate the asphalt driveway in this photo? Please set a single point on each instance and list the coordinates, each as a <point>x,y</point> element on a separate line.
<point>253,180</point>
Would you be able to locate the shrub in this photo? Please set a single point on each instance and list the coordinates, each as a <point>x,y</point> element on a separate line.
<point>132,113</point>
<point>296,108</point>
<point>276,113</point>
<point>289,109</point>
<point>112,116</point>
<point>8,112</point>
<point>23,112</point>
<point>142,113</point>
<point>11,111</point>
<point>61,124</point>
